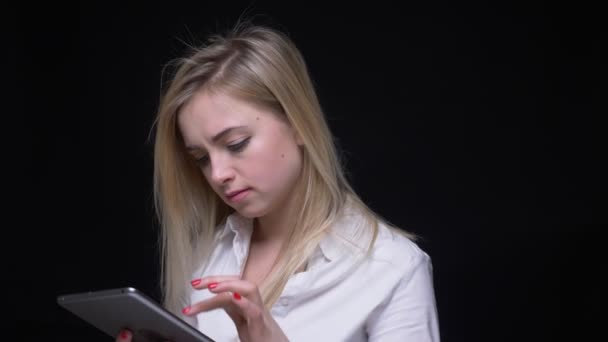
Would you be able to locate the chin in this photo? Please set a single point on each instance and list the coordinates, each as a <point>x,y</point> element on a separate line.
<point>251,212</point>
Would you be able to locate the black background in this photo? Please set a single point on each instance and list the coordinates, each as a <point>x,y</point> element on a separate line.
<point>475,125</point>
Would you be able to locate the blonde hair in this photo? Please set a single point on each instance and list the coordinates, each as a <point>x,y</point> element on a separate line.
<point>264,67</point>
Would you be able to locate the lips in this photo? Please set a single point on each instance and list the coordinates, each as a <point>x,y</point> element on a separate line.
<point>232,194</point>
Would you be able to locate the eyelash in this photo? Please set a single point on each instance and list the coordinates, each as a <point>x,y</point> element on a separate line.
<point>234,148</point>
<point>238,147</point>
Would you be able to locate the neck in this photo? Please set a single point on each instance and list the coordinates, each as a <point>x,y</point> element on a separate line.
<point>275,227</point>
<point>270,229</point>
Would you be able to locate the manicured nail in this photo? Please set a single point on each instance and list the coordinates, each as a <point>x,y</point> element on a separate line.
<point>186,310</point>
<point>237,296</point>
<point>195,282</point>
<point>124,334</point>
<point>212,286</point>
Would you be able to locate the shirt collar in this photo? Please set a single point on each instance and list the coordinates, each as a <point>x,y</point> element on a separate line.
<point>237,224</point>
<point>347,234</point>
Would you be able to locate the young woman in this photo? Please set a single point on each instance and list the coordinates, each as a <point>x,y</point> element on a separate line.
<point>263,239</point>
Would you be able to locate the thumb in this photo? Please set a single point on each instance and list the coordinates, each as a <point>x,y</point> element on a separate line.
<point>125,335</point>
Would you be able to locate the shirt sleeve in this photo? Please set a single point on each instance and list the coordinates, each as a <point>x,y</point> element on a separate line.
<point>409,313</point>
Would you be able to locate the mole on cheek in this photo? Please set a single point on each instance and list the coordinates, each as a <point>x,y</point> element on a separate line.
<point>282,155</point>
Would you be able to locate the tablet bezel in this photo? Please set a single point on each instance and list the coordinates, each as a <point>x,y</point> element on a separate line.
<point>115,309</point>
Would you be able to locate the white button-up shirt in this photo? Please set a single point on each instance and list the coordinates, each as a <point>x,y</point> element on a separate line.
<point>343,295</point>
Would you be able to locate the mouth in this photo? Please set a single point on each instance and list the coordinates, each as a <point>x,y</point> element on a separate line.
<point>236,195</point>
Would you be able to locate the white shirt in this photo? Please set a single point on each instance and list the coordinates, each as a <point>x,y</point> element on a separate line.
<point>389,296</point>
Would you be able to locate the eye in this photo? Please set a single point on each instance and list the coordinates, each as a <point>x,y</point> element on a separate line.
<point>203,161</point>
<point>239,146</point>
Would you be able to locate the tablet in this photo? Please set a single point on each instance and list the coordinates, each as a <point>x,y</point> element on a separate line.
<point>115,309</point>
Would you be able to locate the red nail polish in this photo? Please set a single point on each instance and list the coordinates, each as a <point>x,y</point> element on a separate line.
<point>195,282</point>
<point>186,310</point>
<point>237,296</point>
<point>212,285</point>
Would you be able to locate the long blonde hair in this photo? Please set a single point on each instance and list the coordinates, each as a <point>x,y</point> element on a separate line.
<point>263,66</point>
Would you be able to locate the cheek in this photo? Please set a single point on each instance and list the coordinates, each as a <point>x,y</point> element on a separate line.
<point>275,164</point>
<point>207,175</point>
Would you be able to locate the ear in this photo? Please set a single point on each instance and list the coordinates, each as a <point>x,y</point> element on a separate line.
<point>297,137</point>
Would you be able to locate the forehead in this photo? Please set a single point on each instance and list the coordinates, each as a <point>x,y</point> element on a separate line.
<point>211,112</point>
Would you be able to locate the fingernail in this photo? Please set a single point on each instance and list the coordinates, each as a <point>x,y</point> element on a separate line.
<point>237,296</point>
<point>186,310</point>
<point>212,286</point>
<point>124,334</point>
<point>195,282</point>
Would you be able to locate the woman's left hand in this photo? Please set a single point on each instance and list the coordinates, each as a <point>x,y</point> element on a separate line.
<point>242,301</point>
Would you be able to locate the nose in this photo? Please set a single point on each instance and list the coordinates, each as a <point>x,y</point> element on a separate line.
<point>221,171</point>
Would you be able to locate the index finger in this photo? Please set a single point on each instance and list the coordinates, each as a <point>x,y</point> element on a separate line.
<point>203,283</point>
<point>222,300</point>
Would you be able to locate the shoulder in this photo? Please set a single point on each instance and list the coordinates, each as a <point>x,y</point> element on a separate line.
<point>408,312</point>
<point>390,248</point>
<point>393,246</point>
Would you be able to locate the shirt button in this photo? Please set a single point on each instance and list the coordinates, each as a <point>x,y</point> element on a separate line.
<point>283,301</point>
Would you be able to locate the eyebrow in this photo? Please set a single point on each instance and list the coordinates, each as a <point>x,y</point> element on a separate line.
<point>218,136</point>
